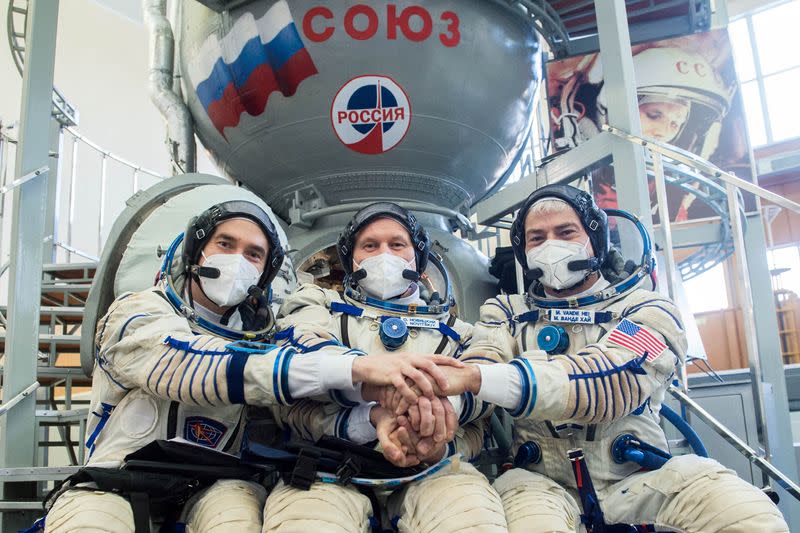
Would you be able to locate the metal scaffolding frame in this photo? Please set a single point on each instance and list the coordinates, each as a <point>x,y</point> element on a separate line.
<point>624,147</point>
<point>620,144</point>
<point>25,271</point>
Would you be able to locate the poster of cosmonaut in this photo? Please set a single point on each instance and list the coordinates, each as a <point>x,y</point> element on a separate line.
<point>688,96</point>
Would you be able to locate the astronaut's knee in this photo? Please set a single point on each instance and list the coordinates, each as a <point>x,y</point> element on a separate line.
<point>462,500</point>
<point>535,503</point>
<point>89,511</point>
<point>703,495</point>
<point>227,505</point>
<point>324,507</point>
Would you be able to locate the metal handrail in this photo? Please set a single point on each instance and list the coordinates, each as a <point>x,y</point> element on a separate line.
<point>73,250</point>
<point>105,153</point>
<point>734,440</point>
<point>688,158</point>
<point>733,186</point>
<point>23,179</point>
<point>7,406</point>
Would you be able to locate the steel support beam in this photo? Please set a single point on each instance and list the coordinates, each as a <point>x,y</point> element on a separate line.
<point>619,83</point>
<point>53,194</point>
<point>589,155</point>
<point>18,426</point>
<point>693,234</point>
<point>776,400</point>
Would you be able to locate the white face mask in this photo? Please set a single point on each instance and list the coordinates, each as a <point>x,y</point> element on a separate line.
<point>236,275</point>
<point>384,278</point>
<point>553,256</point>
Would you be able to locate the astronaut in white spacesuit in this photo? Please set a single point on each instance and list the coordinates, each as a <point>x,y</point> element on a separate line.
<point>590,356</point>
<point>171,362</point>
<point>389,266</point>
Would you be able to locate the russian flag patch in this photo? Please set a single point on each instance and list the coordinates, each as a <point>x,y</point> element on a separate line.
<point>238,73</point>
<point>637,339</point>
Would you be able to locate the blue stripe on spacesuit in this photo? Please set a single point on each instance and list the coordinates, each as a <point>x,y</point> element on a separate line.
<point>104,416</point>
<point>235,376</point>
<point>444,329</point>
<point>338,397</point>
<point>451,448</point>
<point>216,382</point>
<point>484,407</point>
<point>652,303</point>
<point>187,347</point>
<point>288,335</point>
<point>577,390</point>
<point>529,387</point>
<point>186,368</point>
<point>478,358</point>
<point>608,370</point>
<point>634,365</point>
<point>630,388</point>
<point>506,311</point>
<point>100,362</point>
<point>173,360</point>
<point>342,423</point>
<point>158,381</point>
<point>286,356</point>
<point>275,383</point>
<point>525,391</point>
<point>534,388</point>
<point>203,382</point>
<point>460,350</point>
<point>125,325</point>
<point>639,410</point>
<point>528,316</point>
<point>323,344</point>
<point>468,405</point>
<point>602,361</point>
<point>352,310</point>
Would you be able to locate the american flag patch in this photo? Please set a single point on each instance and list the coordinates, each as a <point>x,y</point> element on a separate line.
<point>639,340</point>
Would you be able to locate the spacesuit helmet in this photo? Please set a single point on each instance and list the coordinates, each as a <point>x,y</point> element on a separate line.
<point>593,219</point>
<point>623,251</point>
<point>671,74</point>
<point>181,261</point>
<point>428,272</point>
<point>419,237</point>
<point>201,228</point>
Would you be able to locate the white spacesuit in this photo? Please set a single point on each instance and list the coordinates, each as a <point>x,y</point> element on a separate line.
<point>381,310</point>
<point>183,358</point>
<point>591,355</point>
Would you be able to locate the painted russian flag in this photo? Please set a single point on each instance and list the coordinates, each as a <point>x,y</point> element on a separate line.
<point>238,73</point>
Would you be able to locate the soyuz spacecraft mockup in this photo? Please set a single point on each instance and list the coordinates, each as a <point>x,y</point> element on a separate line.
<point>318,107</point>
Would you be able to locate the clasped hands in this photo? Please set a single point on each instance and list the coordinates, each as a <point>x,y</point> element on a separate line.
<point>413,416</point>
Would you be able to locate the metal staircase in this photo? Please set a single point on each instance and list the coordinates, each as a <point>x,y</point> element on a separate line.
<point>60,417</point>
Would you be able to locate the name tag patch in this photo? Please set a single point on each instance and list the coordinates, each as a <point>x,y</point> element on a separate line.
<point>571,316</point>
<point>418,322</point>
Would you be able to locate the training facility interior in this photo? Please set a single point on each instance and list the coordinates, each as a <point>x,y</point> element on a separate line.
<point>108,144</point>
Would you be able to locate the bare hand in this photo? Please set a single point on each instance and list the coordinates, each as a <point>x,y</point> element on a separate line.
<point>429,417</point>
<point>397,446</point>
<point>425,449</point>
<point>433,418</point>
<point>463,379</point>
<point>424,371</point>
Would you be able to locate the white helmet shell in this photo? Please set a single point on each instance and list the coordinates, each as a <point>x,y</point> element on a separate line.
<point>677,74</point>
